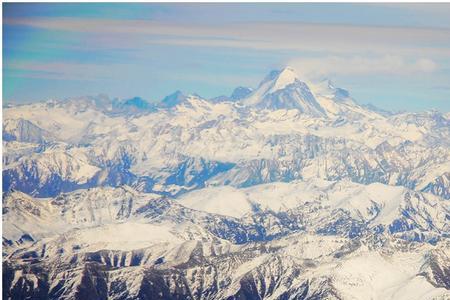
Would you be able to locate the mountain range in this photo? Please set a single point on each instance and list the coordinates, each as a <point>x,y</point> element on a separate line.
<point>290,190</point>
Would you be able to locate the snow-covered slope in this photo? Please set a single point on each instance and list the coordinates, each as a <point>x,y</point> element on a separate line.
<point>376,207</point>
<point>49,172</point>
<point>137,243</point>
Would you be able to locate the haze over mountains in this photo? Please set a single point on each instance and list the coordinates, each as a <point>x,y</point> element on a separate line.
<point>289,190</point>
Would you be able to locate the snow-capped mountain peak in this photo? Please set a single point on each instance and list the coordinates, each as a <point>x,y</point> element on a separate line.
<point>172,100</point>
<point>284,90</point>
<point>240,93</point>
<point>278,80</point>
<point>282,78</point>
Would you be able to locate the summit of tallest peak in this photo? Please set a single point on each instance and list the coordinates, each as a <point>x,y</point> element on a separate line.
<point>285,77</point>
<point>283,89</point>
<point>281,78</point>
<point>288,69</point>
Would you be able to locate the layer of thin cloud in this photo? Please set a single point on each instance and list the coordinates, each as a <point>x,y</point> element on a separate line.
<point>93,72</point>
<point>65,70</point>
<point>339,49</point>
<point>258,35</point>
<point>358,65</point>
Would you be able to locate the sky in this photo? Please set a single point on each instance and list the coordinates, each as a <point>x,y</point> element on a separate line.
<point>395,56</point>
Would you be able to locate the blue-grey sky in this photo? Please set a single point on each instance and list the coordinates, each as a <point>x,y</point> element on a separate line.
<point>396,56</point>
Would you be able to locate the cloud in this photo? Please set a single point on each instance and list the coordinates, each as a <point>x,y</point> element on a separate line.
<point>96,72</point>
<point>426,65</point>
<point>359,65</point>
<point>64,70</point>
<point>293,36</point>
